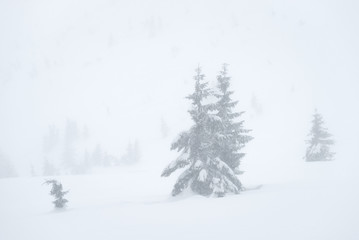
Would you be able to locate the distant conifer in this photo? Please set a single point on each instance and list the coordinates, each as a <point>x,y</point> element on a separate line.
<point>320,141</point>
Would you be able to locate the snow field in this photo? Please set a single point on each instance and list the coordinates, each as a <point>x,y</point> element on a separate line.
<point>317,202</point>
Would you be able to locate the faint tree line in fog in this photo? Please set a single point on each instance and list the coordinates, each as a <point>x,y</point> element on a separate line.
<point>72,152</point>
<point>210,151</point>
<point>6,167</point>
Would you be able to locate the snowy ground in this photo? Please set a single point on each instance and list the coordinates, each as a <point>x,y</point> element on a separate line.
<point>318,201</point>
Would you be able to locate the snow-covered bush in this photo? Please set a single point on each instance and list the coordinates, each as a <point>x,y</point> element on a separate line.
<point>58,193</point>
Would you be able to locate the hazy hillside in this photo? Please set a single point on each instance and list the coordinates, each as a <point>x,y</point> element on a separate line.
<point>118,67</point>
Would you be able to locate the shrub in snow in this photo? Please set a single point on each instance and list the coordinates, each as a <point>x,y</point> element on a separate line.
<point>320,141</point>
<point>58,193</point>
<point>206,171</point>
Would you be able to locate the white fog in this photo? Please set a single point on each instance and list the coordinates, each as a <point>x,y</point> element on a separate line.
<point>94,93</point>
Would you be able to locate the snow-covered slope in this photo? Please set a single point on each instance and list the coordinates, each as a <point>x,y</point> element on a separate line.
<point>318,201</point>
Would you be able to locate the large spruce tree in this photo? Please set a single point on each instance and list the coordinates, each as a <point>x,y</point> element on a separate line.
<point>231,136</point>
<point>320,141</point>
<point>204,172</point>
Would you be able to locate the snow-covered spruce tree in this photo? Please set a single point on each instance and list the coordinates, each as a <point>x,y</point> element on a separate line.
<point>230,134</point>
<point>320,141</point>
<point>58,193</point>
<point>204,172</point>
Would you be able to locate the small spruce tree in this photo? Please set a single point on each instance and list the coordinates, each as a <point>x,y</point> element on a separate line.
<point>58,193</point>
<point>320,141</point>
<point>230,134</point>
<point>205,172</point>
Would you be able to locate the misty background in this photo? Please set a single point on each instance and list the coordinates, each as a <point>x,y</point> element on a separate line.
<point>119,71</point>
